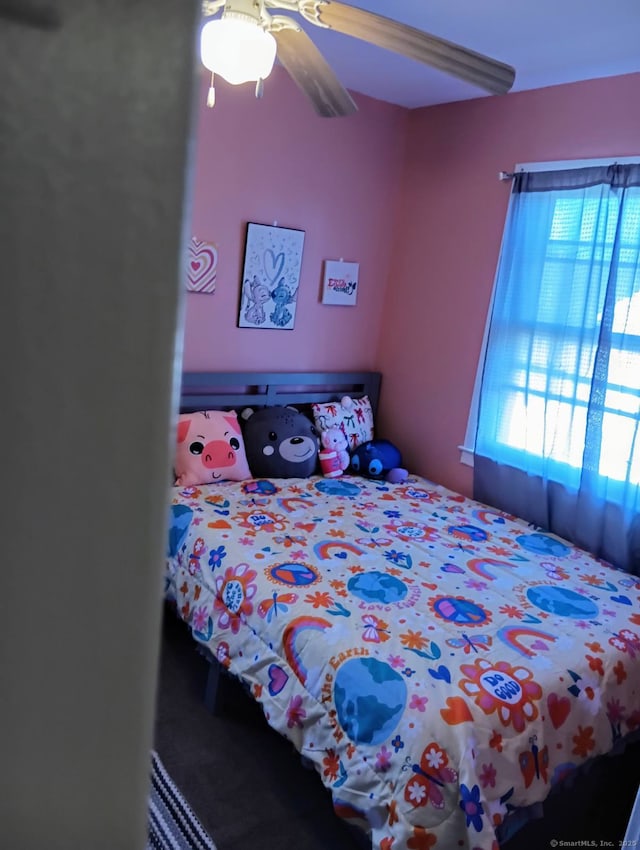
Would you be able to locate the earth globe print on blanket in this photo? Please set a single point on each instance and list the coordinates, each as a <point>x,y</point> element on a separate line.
<point>441,664</point>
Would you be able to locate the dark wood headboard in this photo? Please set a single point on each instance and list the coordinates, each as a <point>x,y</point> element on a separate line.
<point>226,390</point>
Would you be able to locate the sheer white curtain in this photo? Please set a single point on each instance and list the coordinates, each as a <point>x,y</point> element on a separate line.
<point>559,411</point>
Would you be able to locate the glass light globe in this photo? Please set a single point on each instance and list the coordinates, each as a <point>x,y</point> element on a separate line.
<point>238,49</point>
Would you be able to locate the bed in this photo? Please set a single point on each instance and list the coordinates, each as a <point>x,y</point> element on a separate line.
<point>441,664</point>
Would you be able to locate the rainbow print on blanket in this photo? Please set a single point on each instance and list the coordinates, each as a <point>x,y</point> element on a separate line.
<point>440,663</point>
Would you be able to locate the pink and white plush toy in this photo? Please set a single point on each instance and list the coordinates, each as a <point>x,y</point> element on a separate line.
<point>209,448</point>
<point>334,440</point>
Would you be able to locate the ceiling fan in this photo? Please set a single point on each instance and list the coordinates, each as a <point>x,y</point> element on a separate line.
<point>242,45</point>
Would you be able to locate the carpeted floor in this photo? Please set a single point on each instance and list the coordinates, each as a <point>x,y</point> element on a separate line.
<point>250,790</point>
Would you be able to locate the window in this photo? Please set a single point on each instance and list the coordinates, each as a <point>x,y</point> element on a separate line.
<point>558,387</point>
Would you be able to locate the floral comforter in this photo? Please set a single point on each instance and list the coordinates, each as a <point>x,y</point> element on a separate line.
<point>439,662</point>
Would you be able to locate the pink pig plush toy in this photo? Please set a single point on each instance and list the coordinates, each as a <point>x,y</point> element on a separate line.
<point>209,448</point>
<point>334,440</point>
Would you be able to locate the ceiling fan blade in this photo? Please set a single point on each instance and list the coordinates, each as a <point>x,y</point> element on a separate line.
<point>473,67</point>
<point>309,70</point>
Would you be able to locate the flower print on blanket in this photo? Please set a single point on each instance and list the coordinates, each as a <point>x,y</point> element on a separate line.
<point>439,662</point>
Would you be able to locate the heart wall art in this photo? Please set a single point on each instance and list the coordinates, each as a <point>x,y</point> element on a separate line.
<point>270,277</point>
<point>202,262</point>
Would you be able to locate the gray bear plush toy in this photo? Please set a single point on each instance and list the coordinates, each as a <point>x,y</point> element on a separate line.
<point>280,442</point>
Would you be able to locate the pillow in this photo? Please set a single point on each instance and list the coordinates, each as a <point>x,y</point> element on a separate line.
<point>354,417</point>
<point>209,448</point>
<point>280,442</point>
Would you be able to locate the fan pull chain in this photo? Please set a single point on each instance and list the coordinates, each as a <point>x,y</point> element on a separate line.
<point>259,87</point>
<point>211,95</point>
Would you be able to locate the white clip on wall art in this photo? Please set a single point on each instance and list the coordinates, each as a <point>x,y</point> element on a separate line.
<point>201,266</point>
<point>271,277</point>
<point>340,285</point>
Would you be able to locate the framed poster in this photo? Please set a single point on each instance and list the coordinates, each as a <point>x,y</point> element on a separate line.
<point>340,283</point>
<point>201,266</point>
<point>270,277</point>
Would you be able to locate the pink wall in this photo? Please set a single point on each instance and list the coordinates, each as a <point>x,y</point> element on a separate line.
<point>414,197</point>
<point>336,179</point>
<point>449,230</point>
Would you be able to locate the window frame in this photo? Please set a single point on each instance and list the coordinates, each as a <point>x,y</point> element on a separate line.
<point>467,448</point>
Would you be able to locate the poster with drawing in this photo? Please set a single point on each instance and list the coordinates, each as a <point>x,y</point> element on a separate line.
<point>340,283</point>
<point>201,266</point>
<point>271,276</point>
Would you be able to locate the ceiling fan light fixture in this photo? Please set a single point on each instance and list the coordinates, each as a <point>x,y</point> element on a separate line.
<point>237,48</point>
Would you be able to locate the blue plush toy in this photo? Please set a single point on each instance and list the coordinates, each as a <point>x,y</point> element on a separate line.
<point>378,459</point>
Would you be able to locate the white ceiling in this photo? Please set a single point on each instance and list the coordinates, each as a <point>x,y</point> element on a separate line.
<point>547,41</point>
